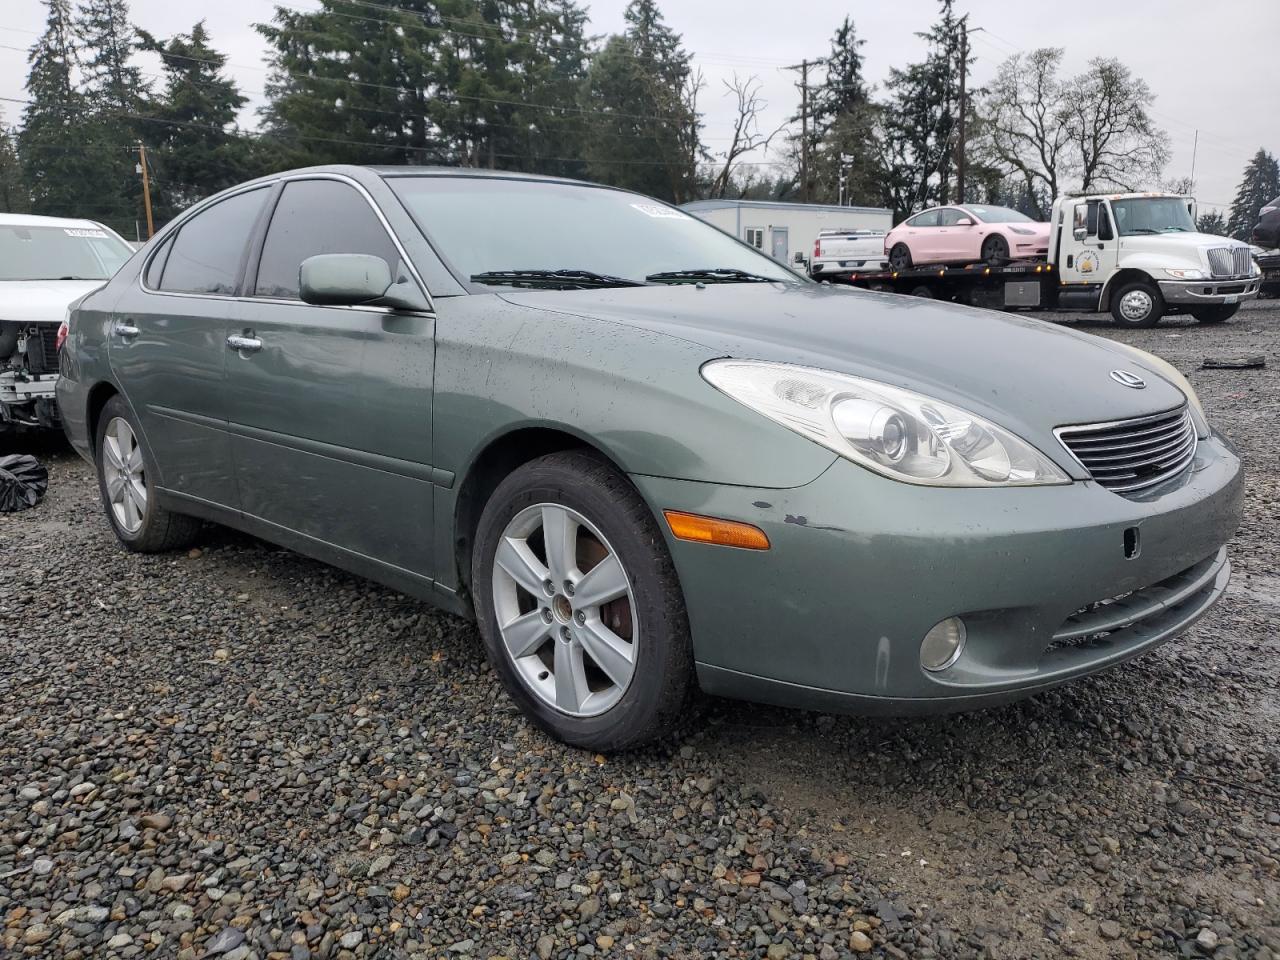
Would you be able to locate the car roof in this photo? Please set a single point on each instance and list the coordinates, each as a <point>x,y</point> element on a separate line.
<point>30,220</point>
<point>391,171</point>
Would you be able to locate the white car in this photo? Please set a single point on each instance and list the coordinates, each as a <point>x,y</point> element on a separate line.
<point>46,264</point>
<point>842,252</point>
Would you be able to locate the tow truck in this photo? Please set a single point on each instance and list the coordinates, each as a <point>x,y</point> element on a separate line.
<point>1137,255</point>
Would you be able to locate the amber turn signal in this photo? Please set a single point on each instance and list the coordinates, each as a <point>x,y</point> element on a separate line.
<point>726,533</point>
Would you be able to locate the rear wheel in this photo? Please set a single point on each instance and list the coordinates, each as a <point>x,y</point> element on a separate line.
<point>923,291</point>
<point>125,468</point>
<point>1137,304</point>
<point>900,257</point>
<point>1215,314</point>
<point>579,605</point>
<point>995,250</point>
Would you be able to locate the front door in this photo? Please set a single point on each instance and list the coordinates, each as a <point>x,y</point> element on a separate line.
<point>781,246</point>
<point>1089,250</point>
<point>166,347</point>
<point>329,408</point>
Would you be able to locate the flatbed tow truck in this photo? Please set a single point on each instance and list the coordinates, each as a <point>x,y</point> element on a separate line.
<point>1137,255</point>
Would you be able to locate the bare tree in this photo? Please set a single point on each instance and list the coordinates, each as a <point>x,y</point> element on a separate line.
<point>1116,143</point>
<point>1022,120</point>
<point>747,135</point>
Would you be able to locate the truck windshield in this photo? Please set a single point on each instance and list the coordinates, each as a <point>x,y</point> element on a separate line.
<point>59,253</point>
<point>999,215</point>
<point>496,227</point>
<point>1152,215</point>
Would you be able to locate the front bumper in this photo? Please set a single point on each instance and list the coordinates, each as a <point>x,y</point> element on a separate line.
<point>1209,292</point>
<point>29,399</point>
<point>860,568</point>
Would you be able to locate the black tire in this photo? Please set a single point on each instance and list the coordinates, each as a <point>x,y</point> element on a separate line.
<point>161,530</point>
<point>1123,312</point>
<point>900,257</point>
<point>663,673</point>
<point>995,250</point>
<point>1216,314</point>
<point>923,291</point>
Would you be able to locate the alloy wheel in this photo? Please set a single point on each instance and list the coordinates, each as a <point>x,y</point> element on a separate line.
<point>1136,305</point>
<point>126,481</point>
<point>565,610</point>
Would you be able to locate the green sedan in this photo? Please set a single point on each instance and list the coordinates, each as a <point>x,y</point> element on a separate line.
<point>641,454</point>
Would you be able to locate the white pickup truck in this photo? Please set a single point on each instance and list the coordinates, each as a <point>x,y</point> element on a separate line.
<point>46,263</point>
<point>843,251</point>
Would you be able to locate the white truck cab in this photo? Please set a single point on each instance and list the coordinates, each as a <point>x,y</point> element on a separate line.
<point>1140,256</point>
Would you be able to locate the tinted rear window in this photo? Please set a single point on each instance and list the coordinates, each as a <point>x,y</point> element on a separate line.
<point>205,257</point>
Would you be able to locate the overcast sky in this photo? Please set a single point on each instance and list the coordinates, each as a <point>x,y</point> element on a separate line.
<point>1210,66</point>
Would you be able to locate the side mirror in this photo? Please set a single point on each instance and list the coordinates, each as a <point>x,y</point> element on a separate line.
<point>964,222</point>
<point>355,279</point>
<point>1079,233</point>
<point>799,258</point>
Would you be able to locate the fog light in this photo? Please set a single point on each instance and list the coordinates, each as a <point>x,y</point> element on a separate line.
<point>943,644</point>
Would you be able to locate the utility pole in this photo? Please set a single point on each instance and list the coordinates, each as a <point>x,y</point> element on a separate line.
<point>146,186</point>
<point>803,67</point>
<point>964,108</point>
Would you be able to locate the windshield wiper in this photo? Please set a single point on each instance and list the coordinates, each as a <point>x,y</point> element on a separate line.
<point>553,279</point>
<point>1141,230</point>
<point>714,275</point>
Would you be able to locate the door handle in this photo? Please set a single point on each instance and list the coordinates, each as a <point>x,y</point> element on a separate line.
<point>245,344</point>
<point>126,330</point>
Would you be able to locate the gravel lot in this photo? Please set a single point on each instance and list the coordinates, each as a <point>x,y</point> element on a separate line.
<point>241,753</point>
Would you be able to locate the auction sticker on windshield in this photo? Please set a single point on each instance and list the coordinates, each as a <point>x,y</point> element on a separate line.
<point>79,232</point>
<point>660,212</point>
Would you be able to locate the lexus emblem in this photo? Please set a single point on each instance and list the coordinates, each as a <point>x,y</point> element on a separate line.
<point>1127,379</point>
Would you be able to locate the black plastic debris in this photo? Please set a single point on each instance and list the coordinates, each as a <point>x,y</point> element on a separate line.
<point>1233,363</point>
<point>23,482</point>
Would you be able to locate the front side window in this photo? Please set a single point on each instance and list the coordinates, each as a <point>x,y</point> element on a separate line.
<point>206,254</point>
<point>490,225</point>
<point>60,253</point>
<point>315,217</point>
<point>950,217</point>
<point>930,218</point>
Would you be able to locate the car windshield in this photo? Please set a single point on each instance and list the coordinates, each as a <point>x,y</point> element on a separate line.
<point>1152,215</point>
<point>999,215</point>
<point>59,253</point>
<point>499,229</point>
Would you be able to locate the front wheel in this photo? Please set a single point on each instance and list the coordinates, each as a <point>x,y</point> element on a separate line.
<point>995,250</point>
<point>125,470</point>
<point>1215,314</point>
<point>579,605</point>
<point>1137,304</point>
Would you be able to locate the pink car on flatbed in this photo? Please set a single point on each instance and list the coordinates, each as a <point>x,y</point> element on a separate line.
<point>966,233</point>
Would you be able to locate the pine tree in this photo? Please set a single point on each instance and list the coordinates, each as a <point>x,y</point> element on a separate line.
<point>641,95</point>
<point>1259,186</point>
<point>194,148</point>
<point>61,163</point>
<point>1213,223</point>
<point>14,196</point>
<point>844,161</point>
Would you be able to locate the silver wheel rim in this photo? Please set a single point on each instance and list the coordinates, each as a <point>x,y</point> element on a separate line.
<point>571,634</point>
<point>1136,305</point>
<point>125,478</point>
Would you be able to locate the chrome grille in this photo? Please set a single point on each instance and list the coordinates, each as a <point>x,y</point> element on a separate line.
<point>1134,454</point>
<point>1230,261</point>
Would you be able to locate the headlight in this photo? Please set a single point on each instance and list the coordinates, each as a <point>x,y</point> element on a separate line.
<point>897,433</point>
<point>1022,230</point>
<point>1167,370</point>
<point>1186,274</point>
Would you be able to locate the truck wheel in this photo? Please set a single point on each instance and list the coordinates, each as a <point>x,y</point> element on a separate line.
<point>995,250</point>
<point>1215,314</point>
<point>125,472</point>
<point>923,292</point>
<point>1137,304</point>
<point>900,257</point>
<point>579,605</point>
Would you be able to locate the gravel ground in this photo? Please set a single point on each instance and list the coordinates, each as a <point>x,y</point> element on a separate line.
<point>239,753</point>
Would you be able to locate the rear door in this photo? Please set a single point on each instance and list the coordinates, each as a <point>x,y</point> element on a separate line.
<point>166,346</point>
<point>924,238</point>
<point>330,414</point>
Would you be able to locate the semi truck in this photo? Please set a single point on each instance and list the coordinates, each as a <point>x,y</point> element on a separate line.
<point>1138,256</point>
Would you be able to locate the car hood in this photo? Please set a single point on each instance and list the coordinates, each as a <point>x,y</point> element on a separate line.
<point>41,301</point>
<point>1027,375</point>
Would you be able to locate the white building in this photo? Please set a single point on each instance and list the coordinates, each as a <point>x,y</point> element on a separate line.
<point>785,229</point>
